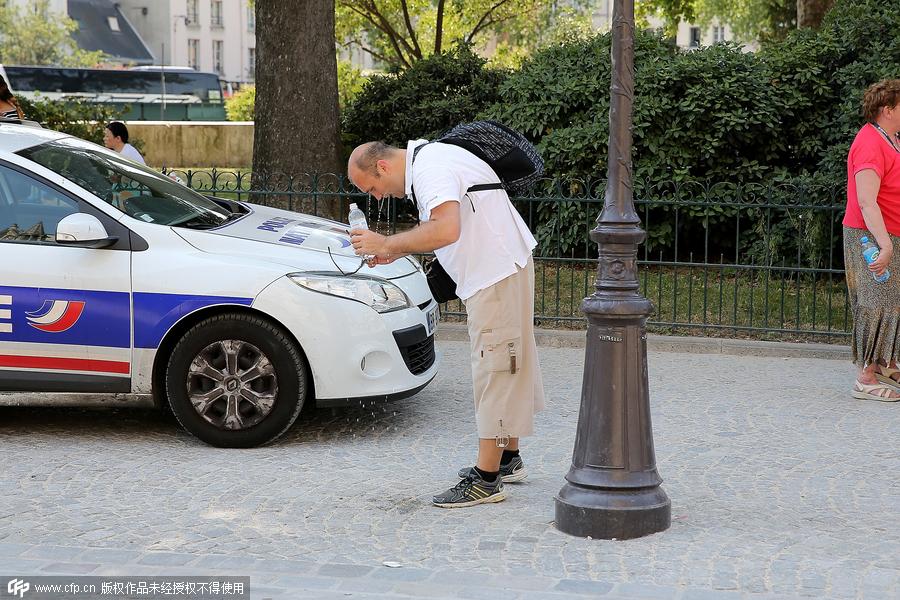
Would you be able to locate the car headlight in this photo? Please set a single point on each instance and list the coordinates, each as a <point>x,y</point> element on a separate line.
<point>380,294</point>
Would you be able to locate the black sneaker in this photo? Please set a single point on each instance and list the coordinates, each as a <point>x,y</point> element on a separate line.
<point>512,471</point>
<point>470,491</point>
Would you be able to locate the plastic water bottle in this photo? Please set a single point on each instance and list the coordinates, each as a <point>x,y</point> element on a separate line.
<point>357,218</point>
<point>870,252</point>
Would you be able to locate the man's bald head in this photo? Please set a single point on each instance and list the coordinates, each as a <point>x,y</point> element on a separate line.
<point>378,169</point>
<point>366,156</point>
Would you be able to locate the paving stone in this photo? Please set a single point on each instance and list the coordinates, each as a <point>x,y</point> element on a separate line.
<point>54,552</point>
<point>70,568</point>
<point>107,555</point>
<point>340,570</point>
<point>695,594</point>
<point>297,582</point>
<point>401,574</point>
<point>168,559</point>
<point>577,586</point>
<point>9,550</point>
<point>644,591</point>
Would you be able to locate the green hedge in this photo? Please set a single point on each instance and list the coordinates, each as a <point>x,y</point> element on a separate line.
<point>426,99</point>
<point>81,119</point>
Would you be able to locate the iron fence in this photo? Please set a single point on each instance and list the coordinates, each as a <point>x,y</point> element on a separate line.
<point>760,260</point>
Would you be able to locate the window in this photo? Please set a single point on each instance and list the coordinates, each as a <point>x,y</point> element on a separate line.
<point>136,190</point>
<point>113,23</point>
<point>217,56</point>
<point>251,19</point>
<point>194,54</point>
<point>193,12</point>
<point>216,12</point>
<point>694,38</point>
<point>251,62</point>
<point>29,209</point>
<point>718,34</point>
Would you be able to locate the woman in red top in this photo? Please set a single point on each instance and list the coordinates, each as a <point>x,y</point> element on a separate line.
<point>873,211</point>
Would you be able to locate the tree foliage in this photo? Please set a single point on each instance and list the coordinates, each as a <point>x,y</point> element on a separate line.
<point>240,106</point>
<point>397,33</point>
<point>433,94</point>
<point>750,20</point>
<point>350,82</point>
<point>34,35</point>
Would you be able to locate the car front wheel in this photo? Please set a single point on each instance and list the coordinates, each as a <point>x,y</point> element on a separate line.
<point>236,381</point>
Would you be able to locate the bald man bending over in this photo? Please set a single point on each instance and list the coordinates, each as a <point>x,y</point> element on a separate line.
<point>484,245</point>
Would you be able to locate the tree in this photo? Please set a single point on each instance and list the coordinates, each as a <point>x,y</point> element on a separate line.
<point>811,12</point>
<point>38,36</point>
<point>398,33</point>
<point>297,126</point>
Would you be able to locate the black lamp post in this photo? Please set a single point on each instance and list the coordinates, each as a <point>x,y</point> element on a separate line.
<point>613,489</point>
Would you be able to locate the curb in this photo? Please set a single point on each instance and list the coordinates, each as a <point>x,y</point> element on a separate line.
<point>553,338</point>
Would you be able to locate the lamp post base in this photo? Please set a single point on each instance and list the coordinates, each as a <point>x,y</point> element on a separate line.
<point>612,514</point>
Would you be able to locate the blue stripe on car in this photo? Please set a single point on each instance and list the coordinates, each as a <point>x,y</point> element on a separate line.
<point>154,314</point>
<point>105,318</point>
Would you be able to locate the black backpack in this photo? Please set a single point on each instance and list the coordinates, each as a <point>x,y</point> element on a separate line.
<point>513,158</point>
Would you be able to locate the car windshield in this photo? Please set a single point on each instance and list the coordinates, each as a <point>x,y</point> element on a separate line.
<point>136,190</point>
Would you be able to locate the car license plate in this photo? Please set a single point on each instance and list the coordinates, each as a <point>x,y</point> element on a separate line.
<point>432,318</point>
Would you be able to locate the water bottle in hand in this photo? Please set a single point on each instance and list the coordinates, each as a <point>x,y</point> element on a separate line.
<point>870,252</point>
<point>357,218</point>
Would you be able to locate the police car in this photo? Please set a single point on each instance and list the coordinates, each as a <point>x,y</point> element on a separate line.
<point>116,279</point>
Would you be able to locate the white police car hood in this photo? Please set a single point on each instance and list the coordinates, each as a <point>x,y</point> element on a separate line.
<point>296,240</point>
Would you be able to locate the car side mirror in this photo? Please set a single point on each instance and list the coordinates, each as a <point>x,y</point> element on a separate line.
<point>83,231</point>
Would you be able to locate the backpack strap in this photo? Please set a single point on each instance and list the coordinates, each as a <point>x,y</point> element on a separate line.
<point>411,163</point>
<point>486,186</point>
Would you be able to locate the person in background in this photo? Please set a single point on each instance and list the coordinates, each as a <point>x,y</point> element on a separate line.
<point>873,211</point>
<point>9,107</point>
<point>115,137</point>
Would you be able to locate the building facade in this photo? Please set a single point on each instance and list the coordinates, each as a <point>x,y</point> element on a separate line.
<point>207,35</point>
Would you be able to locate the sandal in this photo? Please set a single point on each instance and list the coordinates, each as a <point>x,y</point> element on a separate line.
<point>886,375</point>
<point>877,391</point>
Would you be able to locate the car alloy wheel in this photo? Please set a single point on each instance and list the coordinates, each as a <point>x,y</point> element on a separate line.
<point>232,384</point>
<point>236,380</point>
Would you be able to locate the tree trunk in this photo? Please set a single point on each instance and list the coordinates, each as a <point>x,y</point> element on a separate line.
<point>297,133</point>
<point>811,12</point>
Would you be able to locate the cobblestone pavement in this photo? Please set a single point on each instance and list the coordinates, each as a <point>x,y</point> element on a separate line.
<point>782,486</point>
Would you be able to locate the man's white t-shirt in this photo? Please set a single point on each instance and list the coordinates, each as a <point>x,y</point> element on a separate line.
<point>129,151</point>
<point>494,240</point>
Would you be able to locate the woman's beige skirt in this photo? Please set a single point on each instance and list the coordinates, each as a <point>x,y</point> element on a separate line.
<point>506,375</point>
<point>875,306</point>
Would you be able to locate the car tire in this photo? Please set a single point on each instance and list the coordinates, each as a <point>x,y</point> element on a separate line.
<point>236,381</point>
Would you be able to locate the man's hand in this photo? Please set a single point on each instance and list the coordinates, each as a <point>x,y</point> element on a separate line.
<point>880,265</point>
<point>371,244</point>
<point>381,260</point>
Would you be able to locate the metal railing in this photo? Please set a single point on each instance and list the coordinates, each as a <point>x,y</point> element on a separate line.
<point>756,260</point>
